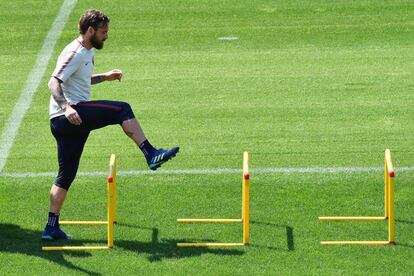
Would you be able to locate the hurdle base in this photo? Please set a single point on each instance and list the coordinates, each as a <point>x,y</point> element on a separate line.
<point>60,248</point>
<point>210,220</point>
<point>353,218</point>
<point>207,244</point>
<point>358,243</point>
<point>77,222</point>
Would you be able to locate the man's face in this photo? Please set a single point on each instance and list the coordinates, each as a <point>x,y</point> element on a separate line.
<point>99,36</point>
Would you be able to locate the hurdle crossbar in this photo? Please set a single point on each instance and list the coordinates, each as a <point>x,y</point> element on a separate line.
<point>245,216</point>
<point>111,215</point>
<point>210,220</point>
<point>389,209</point>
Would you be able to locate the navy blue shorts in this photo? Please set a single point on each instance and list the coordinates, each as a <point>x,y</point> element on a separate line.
<point>72,138</point>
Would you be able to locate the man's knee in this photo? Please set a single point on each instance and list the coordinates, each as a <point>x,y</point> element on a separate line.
<point>126,112</point>
<point>64,181</point>
<point>62,186</point>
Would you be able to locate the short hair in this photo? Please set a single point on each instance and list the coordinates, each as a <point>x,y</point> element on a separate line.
<point>92,18</point>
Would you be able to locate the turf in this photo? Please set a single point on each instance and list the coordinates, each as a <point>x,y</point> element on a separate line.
<point>307,84</point>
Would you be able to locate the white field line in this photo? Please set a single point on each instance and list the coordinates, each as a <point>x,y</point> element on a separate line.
<point>13,123</point>
<point>219,171</point>
<point>228,38</point>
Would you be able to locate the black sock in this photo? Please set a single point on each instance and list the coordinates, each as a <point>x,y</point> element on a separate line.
<point>146,148</point>
<point>53,220</point>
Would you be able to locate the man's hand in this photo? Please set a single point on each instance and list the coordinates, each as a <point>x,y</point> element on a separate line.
<point>72,115</point>
<point>115,74</point>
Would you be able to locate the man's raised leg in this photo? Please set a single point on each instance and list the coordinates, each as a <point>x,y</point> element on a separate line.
<point>155,157</point>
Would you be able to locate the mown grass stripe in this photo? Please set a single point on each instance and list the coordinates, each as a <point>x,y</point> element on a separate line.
<point>33,80</point>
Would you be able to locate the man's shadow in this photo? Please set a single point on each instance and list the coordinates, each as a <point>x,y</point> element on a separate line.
<point>15,239</point>
<point>159,249</point>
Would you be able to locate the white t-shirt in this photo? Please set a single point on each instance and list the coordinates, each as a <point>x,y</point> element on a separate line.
<point>74,68</point>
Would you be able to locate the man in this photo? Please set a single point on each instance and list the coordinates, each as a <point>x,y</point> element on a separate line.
<point>73,116</point>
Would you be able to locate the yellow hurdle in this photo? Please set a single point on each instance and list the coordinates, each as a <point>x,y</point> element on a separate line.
<point>111,215</point>
<point>210,220</point>
<point>389,209</point>
<point>205,244</point>
<point>245,217</point>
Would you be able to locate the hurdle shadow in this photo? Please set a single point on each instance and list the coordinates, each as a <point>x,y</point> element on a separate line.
<point>15,239</point>
<point>404,221</point>
<point>159,249</point>
<point>290,246</point>
<point>411,246</point>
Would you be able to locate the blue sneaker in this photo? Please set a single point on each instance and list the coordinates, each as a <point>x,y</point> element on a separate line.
<point>160,156</point>
<point>54,233</point>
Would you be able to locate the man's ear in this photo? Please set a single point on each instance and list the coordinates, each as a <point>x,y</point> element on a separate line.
<point>91,30</point>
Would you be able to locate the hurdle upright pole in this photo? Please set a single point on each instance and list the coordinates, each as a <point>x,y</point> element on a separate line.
<point>391,197</point>
<point>245,198</point>
<point>114,190</point>
<point>386,187</point>
<point>111,200</point>
<point>391,219</point>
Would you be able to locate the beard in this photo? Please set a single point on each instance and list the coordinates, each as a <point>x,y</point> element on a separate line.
<point>97,44</point>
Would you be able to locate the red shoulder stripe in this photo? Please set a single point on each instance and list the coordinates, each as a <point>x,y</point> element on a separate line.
<point>68,60</point>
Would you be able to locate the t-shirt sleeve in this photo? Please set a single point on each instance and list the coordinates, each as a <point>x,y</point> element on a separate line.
<point>67,65</point>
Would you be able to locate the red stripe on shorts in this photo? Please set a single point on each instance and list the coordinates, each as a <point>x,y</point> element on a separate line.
<point>110,106</point>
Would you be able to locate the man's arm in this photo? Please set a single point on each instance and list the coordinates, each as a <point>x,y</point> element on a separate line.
<point>115,74</point>
<point>97,78</point>
<point>57,94</point>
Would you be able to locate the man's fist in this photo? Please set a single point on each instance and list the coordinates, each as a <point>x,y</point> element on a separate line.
<point>115,74</point>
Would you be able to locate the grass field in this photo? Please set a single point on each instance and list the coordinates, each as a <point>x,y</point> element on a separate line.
<point>307,84</point>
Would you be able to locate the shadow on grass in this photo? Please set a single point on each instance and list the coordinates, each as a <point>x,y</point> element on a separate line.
<point>167,248</point>
<point>15,239</point>
<point>404,244</point>
<point>411,246</point>
<point>404,221</point>
<point>289,236</point>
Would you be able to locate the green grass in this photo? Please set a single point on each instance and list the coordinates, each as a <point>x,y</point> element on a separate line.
<point>308,84</point>
<point>25,25</point>
<point>285,232</point>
